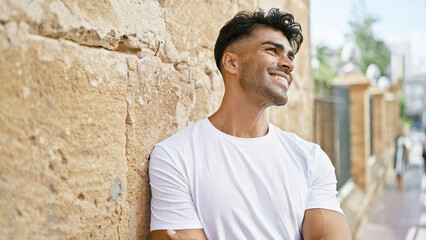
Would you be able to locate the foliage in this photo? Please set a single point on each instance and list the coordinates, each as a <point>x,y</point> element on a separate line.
<point>325,72</point>
<point>405,121</point>
<point>372,49</point>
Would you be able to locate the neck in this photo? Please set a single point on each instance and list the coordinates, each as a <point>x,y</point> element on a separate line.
<point>240,117</point>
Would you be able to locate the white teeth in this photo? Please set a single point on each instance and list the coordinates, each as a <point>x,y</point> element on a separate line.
<point>280,78</point>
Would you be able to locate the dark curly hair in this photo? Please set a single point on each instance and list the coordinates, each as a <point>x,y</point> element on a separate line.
<point>245,22</point>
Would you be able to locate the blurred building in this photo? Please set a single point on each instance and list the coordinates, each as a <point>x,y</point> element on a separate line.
<point>415,99</point>
<point>407,70</point>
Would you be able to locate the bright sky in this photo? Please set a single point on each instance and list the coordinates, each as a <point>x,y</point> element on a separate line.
<point>401,24</point>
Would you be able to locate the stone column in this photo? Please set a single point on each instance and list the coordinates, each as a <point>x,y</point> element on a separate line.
<point>379,124</point>
<point>359,125</point>
<point>391,127</point>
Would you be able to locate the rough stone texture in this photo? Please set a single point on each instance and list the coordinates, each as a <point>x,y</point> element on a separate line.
<point>88,88</point>
<point>63,138</point>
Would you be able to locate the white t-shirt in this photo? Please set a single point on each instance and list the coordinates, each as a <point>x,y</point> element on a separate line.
<point>238,188</point>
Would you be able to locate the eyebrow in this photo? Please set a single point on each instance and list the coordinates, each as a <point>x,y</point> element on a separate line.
<point>281,47</point>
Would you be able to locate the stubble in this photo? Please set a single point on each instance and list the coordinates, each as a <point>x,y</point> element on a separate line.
<point>259,82</point>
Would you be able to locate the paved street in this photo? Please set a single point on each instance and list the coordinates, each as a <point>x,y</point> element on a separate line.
<point>401,215</point>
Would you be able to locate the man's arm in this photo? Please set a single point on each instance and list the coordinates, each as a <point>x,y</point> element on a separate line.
<point>187,234</point>
<point>324,224</point>
<point>172,206</point>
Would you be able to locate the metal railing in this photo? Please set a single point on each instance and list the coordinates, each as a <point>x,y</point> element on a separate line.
<point>331,130</point>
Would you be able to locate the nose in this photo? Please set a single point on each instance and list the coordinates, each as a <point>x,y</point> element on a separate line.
<point>286,63</point>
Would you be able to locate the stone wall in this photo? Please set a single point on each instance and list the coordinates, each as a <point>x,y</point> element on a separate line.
<point>88,88</point>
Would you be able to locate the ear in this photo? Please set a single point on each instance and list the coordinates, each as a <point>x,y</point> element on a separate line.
<point>230,62</point>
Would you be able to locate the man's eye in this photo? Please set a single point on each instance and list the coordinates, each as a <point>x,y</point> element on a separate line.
<point>273,50</point>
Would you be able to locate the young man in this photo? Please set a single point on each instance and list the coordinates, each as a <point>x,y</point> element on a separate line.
<point>234,175</point>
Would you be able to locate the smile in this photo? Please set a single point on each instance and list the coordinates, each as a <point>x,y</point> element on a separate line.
<point>281,78</point>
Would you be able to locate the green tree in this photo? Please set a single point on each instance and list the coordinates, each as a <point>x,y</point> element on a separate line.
<point>372,49</point>
<point>325,71</point>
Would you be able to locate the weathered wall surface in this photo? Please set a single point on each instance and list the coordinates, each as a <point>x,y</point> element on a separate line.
<point>88,88</point>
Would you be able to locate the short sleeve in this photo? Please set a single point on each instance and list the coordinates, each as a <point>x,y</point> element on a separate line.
<point>172,206</point>
<point>322,192</point>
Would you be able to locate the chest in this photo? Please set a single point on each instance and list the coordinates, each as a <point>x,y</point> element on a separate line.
<point>238,184</point>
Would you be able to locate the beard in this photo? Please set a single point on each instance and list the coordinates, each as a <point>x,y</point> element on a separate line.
<point>257,81</point>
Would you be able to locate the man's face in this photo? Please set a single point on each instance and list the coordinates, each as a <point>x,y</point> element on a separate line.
<point>267,63</point>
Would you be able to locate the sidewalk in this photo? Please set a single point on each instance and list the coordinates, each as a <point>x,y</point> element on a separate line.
<point>401,215</point>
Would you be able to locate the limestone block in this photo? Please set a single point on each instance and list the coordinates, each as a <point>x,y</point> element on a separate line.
<point>62,126</point>
<point>124,26</point>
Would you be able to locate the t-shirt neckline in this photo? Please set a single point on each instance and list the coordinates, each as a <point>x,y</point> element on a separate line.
<point>223,135</point>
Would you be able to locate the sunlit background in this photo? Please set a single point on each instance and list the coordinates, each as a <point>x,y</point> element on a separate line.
<point>401,24</point>
<point>386,34</point>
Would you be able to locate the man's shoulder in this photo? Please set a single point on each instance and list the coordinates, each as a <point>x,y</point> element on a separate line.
<point>179,146</point>
<point>184,136</point>
<point>293,138</point>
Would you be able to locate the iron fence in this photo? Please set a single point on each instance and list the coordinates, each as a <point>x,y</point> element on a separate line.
<point>331,130</point>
